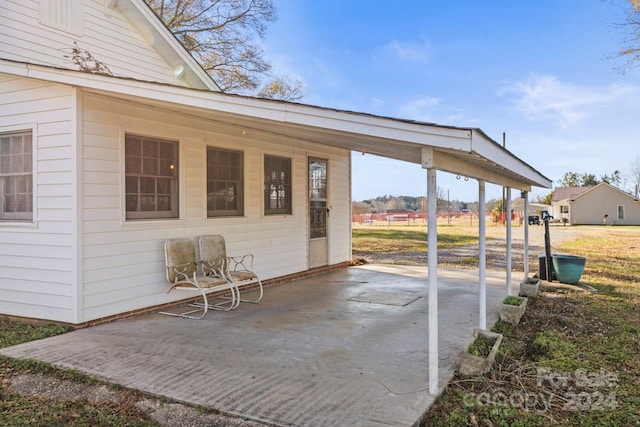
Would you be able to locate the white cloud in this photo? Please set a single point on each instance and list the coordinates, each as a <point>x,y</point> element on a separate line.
<point>408,51</point>
<point>419,108</point>
<point>545,98</point>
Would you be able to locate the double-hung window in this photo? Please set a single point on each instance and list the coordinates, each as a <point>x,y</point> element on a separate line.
<point>225,182</point>
<point>277,185</point>
<point>151,175</point>
<point>16,176</point>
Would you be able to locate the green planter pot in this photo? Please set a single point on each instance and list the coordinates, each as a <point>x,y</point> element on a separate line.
<point>568,268</point>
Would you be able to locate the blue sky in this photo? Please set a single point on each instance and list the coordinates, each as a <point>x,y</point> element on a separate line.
<point>544,72</point>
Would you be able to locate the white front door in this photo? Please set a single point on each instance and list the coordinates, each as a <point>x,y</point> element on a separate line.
<point>318,212</point>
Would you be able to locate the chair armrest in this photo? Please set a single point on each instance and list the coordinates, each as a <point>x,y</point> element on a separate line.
<point>241,263</point>
<point>216,268</point>
<point>184,272</point>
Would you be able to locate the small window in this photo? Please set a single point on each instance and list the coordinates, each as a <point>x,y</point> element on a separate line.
<point>16,176</point>
<point>620,211</point>
<point>225,182</point>
<point>151,178</point>
<point>277,185</point>
<point>564,209</point>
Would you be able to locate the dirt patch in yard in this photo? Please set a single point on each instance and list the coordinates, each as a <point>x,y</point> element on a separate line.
<point>466,256</point>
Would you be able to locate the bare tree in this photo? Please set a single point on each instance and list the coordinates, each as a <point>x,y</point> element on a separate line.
<point>281,88</point>
<point>631,25</point>
<point>222,36</point>
<point>360,208</point>
<point>635,176</point>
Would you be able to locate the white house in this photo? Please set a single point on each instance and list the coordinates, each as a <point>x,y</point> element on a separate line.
<point>599,204</point>
<point>113,139</point>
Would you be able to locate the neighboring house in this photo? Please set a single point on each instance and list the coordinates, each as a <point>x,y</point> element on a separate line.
<point>600,204</point>
<point>113,139</point>
<point>561,201</point>
<point>517,206</point>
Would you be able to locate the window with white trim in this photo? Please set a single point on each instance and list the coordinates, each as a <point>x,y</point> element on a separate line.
<point>564,209</point>
<point>16,176</point>
<point>151,177</point>
<point>225,182</point>
<point>277,185</point>
<point>620,211</point>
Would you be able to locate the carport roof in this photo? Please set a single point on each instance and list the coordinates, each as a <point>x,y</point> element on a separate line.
<point>464,151</point>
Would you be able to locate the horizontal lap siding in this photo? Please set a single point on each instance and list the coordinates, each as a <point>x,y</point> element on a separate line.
<point>36,262</point>
<point>109,38</point>
<point>124,261</point>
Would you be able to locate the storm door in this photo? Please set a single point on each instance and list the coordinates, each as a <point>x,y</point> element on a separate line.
<point>318,213</point>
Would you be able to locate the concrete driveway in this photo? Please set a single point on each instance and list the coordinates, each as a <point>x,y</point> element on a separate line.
<point>344,348</point>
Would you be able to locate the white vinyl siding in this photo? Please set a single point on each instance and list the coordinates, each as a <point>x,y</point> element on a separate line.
<point>37,260</point>
<point>112,40</point>
<point>124,260</point>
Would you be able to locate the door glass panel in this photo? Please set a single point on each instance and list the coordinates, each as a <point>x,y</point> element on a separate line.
<point>317,179</point>
<point>317,198</point>
<point>318,219</point>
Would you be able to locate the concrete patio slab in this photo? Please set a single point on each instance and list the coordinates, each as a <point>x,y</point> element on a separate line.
<point>307,355</point>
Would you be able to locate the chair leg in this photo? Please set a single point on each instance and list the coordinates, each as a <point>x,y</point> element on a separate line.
<point>203,306</point>
<point>255,301</point>
<point>223,306</point>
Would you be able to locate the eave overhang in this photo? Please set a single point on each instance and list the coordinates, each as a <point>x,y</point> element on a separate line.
<point>467,152</point>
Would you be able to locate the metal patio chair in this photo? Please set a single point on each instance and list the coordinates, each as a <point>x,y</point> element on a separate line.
<point>239,269</point>
<point>182,273</point>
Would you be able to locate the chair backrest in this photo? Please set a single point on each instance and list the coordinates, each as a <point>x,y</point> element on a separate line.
<point>212,247</point>
<point>213,254</point>
<point>180,259</point>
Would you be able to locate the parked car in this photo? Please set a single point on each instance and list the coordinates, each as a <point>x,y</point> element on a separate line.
<point>534,219</point>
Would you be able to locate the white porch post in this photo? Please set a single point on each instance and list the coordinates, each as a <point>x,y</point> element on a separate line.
<point>525,196</point>
<point>509,251</point>
<point>482,255</point>
<point>432,266</point>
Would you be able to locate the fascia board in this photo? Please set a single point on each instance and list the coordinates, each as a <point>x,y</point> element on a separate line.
<point>448,163</point>
<point>145,13</point>
<point>491,150</point>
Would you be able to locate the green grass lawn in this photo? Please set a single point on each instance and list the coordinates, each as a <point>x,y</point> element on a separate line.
<point>398,239</point>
